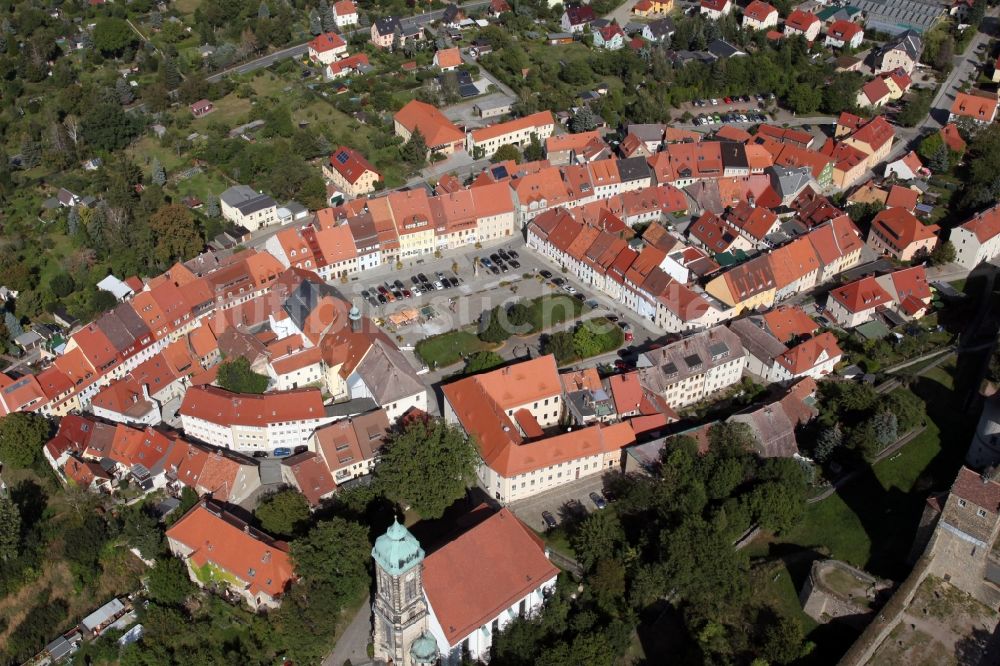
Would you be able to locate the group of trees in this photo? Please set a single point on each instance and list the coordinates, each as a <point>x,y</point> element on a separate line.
<point>857,423</point>
<point>235,375</point>
<point>670,536</point>
<point>590,338</point>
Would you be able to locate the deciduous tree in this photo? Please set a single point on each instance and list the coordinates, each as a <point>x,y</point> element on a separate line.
<point>235,375</point>
<point>22,435</point>
<point>284,513</point>
<point>427,465</point>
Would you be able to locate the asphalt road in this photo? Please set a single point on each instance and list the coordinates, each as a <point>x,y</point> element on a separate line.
<point>965,66</point>
<point>299,49</point>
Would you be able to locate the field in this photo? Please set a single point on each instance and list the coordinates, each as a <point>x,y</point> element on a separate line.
<point>870,522</point>
<point>443,350</point>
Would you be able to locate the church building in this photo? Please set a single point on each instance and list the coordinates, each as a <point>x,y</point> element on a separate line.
<point>435,608</point>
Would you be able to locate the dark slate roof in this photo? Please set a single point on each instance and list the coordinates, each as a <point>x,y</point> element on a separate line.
<point>734,155</point>
<point>633,168</point>
<point>305,298</point>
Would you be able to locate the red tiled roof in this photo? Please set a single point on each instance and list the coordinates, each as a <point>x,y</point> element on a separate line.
<point>227,542</point>
<point>501,545</point>
<point>861,295</point>
<point>312,476</point>
<point>327,42</point>
<point>972,487</point>
<point>979,108</point>
<point>351,164</point>
<point>800,20</point>
<point>433,124</point>
<point>843,30</point>
<point>758,10</point>
<point>951,137</point>
<point>806,355</point>
<point>788,322</point>
<point>220,406</point>
<point>899,228</point>
<point>984,225</point>
<point>448,58</point>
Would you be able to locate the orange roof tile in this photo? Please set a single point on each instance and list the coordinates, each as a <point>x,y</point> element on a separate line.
<point>219,406</point>
<point>806,355</point>
<point>445,58</point>
<point>540,119</point>
<point>433,124</point>
<point>222,539</point>
<point>789,322</point>
<point>898,228</point>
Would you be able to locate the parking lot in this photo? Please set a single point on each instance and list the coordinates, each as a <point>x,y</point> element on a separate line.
<point>563,502</point>
<point>479,289</point>
<point>744,110</point>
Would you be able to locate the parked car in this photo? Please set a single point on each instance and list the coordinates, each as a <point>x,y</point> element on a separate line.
<point>612,318</point>
<point>260,454</point>
<point>301,448</point>
<point>549,520</point>
<point>407,293</point>
<point>453,281</point>
<point>495,258</point>
<point>382,299</point>
<point>438,285</point>
<point>598,500</point>
<point>399,284</point>
<point>545,274</point>
<point>569,289</point>
<point>514,263</point>
<point>282,452</point>
<point>512,253</point>
<point>557,281</point>
<point>503,255</point>
<point>415,280</point>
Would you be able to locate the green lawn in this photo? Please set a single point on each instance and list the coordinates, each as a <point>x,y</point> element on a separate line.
<point>551,310</point>
<point>445,349</point>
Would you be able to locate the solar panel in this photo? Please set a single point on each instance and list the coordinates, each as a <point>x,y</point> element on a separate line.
<point>499,172</point>
<point>342,157</point>
<point>669,369</point>
<point>693,360</point>
<point>468,90</point>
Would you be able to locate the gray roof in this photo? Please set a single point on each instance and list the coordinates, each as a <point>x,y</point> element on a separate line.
<point>758,342</point>
<point>646,131</point>
<point>661,28</point>
<point>897,16</point>
<point>350,407</point>
<point>387,25</point>
<point>909,42</point>
<point>387,373</point>
<point>301,302</point>
<point>790,181</point>
<point>102,615</point>
<point>691,356</point>
<point>774,431</point>
<point>115,330</point>
<point>633,168</point>
<point>246,199</point>
<point>723,49</point>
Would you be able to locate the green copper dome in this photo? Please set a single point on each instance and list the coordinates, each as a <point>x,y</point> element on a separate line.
<point>424,650</point>
<point>397,550</point>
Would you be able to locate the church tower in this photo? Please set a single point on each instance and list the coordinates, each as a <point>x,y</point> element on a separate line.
<point>399,608</point>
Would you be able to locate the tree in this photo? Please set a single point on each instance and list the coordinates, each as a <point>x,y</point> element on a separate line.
<point>427,465</point>
<point>31,152</point>
<point>599,535</point>
<point>777,506</point>
<point>326,15</point>
<point>22,435</point>
<point>141,531</point>
<point>483,360</point>
<point>168,582</point>
<point>10,529</point>
<point>829,440</point>
<point>534,151</point>
<point>212,208</point>
<point>315,23</point>
<point>805,98</point>
<point>506,152</point>
<point>124,92</point>
<point>584,120</point>
<point>159,174</point>
<point>944,253</point>
<point>284,513</point>
<point>106,126</point>
<point>171,77</point>
<point>561,345</point>
<point>263,12</point>
<point>176,233</point>
<point>493,325</point>
<point>61,285</point>
<point>414,151</point>
<point>112,36</point>
<point>236,376</point>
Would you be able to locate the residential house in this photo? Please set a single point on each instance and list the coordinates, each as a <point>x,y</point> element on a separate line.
<point>518,132</point>
<point>388,32</point>
<point>327,48</point>
<point>901,52</point>
<point>979,107</point>
<point>658,31</point>
<point>577,17</point>
<point>843,33</point>
<point>345,13</point>
<point>439,133</point>
<point>247,208</point>
<point>350,447</point>
<point>610,37</point>
<point>899,234</point>
<point>905,292</point>
<point>746,286</point>
<point>308,473</point>
<point>349,65</point>
<point>201,108</point>
<point>803,23</point>
<point>837,243</point>
<point>715,9</point>
<point>693,369</point>
<point>759,15</point>
<point>907,167</point>
<point>351,172</point>
<point>447,59</point>
<point>217,546</point>
<point>977,239</point>
<point>875,93</point>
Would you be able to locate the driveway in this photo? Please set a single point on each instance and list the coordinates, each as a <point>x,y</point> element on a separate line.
<point>556,501</point>
<point>353,643</point>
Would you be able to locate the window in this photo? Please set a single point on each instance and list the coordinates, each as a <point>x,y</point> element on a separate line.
<point>961,502</point>
<point>981,513</point>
